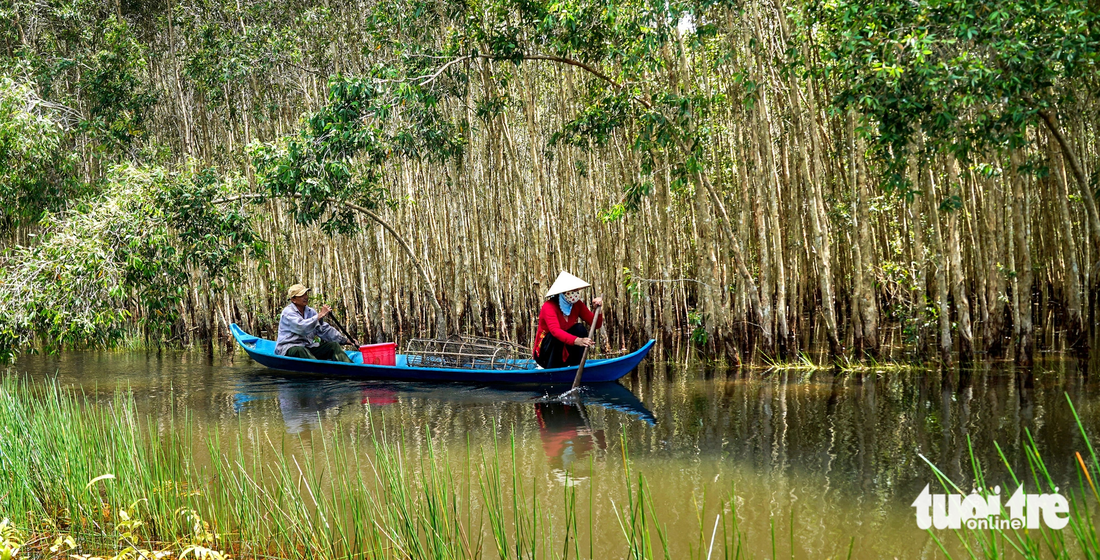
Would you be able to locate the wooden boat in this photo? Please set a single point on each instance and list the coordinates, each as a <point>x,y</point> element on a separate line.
<point>262,351</point>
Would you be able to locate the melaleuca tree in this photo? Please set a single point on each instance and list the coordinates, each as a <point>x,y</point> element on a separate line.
<point>331,170</point>
<point>426,54</point>
<point>625,50</point>
<point>965,79</point>
<point>227,48</point>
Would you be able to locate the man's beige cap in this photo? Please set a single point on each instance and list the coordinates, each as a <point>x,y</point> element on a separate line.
<point>566,283</point>
<point>295,291</point>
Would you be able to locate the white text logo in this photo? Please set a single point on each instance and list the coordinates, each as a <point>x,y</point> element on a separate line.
<point>953,511</point>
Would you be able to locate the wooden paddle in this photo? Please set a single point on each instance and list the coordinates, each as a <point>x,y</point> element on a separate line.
<point>331,317</point>
<point>584,353</point>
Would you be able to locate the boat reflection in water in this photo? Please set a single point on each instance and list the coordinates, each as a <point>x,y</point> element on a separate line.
<point>304,406</point>
<point>564,427</point>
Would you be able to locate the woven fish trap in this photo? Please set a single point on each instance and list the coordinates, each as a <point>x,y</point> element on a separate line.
<point>467,352</point>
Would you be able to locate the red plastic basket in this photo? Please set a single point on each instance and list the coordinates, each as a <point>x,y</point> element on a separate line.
<point>379,354</point>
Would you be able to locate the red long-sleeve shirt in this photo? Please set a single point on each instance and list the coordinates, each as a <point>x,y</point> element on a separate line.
<point>552,321</point>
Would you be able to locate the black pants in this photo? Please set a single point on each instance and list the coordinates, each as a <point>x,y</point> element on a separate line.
<point>550,350</point>
<point>326,351</point>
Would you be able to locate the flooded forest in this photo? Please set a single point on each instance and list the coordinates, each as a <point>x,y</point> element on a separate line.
<point>907,181</point>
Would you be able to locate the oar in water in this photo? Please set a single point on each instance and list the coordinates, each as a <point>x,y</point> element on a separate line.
<point>584,353</point>
<point>331,317</point>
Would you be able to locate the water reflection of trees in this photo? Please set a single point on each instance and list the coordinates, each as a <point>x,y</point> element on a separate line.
<point>862,432</point>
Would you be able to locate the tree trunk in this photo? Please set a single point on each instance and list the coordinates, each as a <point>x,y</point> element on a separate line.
<point>940,275</point>
<point>862,249</point>
<point>1023,328</point>
<point>1075,335</point>
<point>819,234</point>
<point>958,277</point>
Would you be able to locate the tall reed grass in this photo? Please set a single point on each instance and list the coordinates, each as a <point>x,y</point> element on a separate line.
<point>95,479</point>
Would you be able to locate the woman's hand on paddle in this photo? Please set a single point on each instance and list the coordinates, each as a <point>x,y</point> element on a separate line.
<point>596,302</point>
<point>583,341</point>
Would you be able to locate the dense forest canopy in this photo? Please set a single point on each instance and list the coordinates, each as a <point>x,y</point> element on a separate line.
<point>908,178</point>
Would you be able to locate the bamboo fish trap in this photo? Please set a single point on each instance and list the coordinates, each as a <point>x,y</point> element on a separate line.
<point>468,353</point>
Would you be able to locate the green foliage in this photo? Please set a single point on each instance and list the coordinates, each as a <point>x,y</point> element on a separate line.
<point>698,323</point>
<point>338,155</point>
<point>35,169</point>
<point>964,75</point>
<point>633,286</point>
<point>124,258</point>
<point>951,203</point>
<point>84,57</point>
<point>115,89</point>
<point>211,239</point>
<point>230,44</point>
<point>631,201</point>
<point>593,125</point>
<point>11,540</point>
<point>70,288</point>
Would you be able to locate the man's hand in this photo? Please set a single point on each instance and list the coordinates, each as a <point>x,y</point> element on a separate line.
<point>325,310</point>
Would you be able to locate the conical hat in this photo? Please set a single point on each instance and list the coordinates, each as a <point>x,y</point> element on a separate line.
<point>566,283</point>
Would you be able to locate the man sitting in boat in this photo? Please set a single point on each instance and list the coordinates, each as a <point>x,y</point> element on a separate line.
<point>561,336</point>
<point>299,327</point>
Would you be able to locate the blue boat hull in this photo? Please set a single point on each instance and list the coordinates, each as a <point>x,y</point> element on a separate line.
<point>262,351</point>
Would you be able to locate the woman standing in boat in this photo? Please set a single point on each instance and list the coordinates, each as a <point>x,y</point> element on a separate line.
<point>562,335</point>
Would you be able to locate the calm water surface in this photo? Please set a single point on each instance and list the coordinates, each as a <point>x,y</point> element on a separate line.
<point>838,454</point>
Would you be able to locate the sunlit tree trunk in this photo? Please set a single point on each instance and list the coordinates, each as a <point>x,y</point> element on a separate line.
<point>761,222</point>
<point>958,274</point>
<point>939,261</point>
<point>862,250</point>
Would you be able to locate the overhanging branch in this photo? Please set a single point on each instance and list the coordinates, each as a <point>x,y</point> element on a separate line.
<point>425,80</point>
<point>440,317</point>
